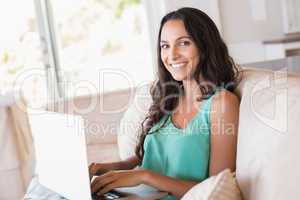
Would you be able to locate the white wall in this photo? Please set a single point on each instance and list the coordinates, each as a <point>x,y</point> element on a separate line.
<point>239,25</point>
<point>210,7</point>
<point>247,23</point>
<point>244,24</point>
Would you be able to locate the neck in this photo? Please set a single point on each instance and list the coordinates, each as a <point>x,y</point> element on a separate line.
<point>191,90</point>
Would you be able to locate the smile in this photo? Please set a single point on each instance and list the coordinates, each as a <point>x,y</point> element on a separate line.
<point>178,65</point>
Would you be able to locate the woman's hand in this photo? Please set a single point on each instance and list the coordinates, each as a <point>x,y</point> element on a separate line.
<point>116,179</point>
<point>100,168</point>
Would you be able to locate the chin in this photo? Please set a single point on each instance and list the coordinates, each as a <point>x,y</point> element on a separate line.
<point>180,75</point>
<point>178,78</point>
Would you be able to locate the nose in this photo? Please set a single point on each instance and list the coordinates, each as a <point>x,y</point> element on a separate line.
<point>173,53</point>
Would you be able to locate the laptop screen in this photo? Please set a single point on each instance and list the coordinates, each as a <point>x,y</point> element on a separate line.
<point>61,155</point>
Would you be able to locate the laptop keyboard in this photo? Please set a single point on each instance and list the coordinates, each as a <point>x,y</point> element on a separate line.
<point>111,196</point>
<point>107,196</point>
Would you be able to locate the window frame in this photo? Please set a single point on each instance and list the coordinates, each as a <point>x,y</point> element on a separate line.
<point>50,50</point>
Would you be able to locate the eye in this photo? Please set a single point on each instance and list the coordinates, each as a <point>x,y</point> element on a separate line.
<point>184,43</point>
<point>164,46</point>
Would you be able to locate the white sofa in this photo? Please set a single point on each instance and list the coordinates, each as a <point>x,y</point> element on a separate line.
<point>268,139</point>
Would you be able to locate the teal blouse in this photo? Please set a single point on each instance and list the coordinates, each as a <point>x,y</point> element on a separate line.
<point>180,153</point>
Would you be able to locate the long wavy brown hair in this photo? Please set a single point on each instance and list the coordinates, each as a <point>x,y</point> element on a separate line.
<point>216,67</point>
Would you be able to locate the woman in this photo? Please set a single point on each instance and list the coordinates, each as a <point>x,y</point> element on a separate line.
<point>190,132</point>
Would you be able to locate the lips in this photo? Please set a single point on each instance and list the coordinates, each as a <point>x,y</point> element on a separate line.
<point>178,65</point>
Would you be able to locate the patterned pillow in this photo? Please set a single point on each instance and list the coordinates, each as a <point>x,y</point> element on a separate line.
<point>220,187</point>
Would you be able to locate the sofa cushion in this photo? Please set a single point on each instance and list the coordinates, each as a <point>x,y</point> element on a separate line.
<point>223,186</point>
<point>268,142</point>
<point>130,125</point>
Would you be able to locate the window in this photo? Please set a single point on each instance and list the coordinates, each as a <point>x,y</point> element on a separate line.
<point>67,48</point>
<point>21,64</point>
<point>103,45</point>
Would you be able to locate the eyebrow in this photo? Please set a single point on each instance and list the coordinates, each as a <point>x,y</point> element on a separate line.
<point>182,37</point>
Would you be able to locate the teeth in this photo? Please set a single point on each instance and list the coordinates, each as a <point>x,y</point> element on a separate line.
<point>178,65</point>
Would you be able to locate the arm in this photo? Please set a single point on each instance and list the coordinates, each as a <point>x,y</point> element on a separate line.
<point>173,186</point>
<point>100,168</point>
<point>127,164</point>
<point>224,128</point>
<point>129,178</point>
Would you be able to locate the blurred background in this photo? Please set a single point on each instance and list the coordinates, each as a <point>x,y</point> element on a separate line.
<point>52,49</point>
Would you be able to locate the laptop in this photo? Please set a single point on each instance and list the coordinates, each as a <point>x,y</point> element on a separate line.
<point>61,159</point>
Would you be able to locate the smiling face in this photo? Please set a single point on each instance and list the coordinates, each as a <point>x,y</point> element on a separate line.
<point>179,53</point>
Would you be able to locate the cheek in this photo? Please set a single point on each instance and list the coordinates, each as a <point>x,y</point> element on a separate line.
<point>163,58</point>
<point>193,52</point>
<point>195,57</point>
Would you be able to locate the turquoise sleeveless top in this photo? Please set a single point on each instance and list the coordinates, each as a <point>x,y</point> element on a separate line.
<point>180,153</point>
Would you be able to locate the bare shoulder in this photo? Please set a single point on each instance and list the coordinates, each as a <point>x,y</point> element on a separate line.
<point>225,101</point>
<point>226,96</point>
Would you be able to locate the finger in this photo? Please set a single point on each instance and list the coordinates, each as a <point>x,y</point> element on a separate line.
<point>91,165</point>
<point>96,184</point>
<point>91,168</point>
<point>107,188</point>
<point>102,183</point>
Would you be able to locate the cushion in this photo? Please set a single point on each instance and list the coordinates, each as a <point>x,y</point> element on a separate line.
<point>36,191</point>
<point>268,159</point>
<point>130,124</point>
<point>223,186</point>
